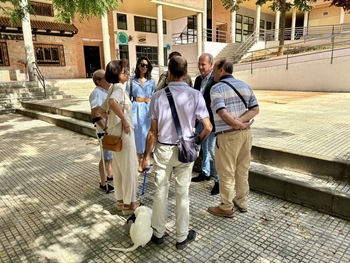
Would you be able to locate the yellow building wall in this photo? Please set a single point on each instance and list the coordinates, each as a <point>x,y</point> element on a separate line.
<point>317,16</point>
<point>221,20</point>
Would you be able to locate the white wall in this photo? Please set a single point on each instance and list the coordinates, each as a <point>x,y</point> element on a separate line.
<point>314,75</point>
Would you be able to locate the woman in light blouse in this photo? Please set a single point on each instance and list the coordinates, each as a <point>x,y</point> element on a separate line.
<point>119,109</point>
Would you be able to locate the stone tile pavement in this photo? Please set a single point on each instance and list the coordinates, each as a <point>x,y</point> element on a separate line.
<point>52,211</point>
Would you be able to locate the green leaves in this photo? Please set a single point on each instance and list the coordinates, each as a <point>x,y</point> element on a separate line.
<point>64,9</point>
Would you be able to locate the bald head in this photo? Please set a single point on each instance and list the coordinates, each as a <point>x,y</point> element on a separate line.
<point>178,67</point>
<point>98,75</point>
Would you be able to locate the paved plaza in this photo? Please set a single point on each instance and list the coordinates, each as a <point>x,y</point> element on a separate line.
<point>52,211</point>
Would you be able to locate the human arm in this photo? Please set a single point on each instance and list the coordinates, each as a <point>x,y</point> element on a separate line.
<point>97,113</point>
<point>249,115</point>
<point>235,123</point>
<point>207,128</point>
<point>151,140</point>
<point>114,106</point>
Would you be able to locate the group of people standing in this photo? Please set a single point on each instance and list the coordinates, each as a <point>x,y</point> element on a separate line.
<point>220,109</point>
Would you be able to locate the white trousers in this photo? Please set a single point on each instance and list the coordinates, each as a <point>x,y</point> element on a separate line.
<point>166,165</point>
<point>124,167</point>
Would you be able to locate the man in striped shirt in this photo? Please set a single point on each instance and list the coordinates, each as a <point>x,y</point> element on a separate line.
<point>234,106</point>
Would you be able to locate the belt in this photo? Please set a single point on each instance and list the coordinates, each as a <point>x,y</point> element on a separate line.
<point>139,99</point>
<point>170,144</point>
<point>227,131</point>
<point>231,130</point>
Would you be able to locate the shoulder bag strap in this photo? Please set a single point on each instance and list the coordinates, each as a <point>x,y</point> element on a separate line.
<point>239,94</point>
<point>174,113</point>
<point>131,81</point>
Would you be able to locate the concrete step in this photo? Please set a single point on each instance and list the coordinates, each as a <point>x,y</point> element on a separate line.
<point>59,107</point>
<point>69,123</point>
<point>318,192</point>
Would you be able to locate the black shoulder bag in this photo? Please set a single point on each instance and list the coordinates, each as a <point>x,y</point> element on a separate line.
<point>188,150</point>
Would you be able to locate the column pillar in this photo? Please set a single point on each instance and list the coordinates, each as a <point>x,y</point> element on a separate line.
<point>294,19</point>
<point>257,24</point>
<point>199,34</point>
<point>233,27</point>
<point>342,16</point>
<point>160,37</point>
<point>28,41</point>
<point>277,25</point>
<point>306,18</point>
<point>105,39</point>
<point>205,18</point>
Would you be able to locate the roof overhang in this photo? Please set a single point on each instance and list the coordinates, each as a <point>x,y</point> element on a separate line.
<point>40,28</point>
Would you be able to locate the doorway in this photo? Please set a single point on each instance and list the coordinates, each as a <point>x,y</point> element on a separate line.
<point>92,60</point>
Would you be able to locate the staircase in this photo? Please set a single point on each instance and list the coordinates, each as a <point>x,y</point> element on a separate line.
<point>14,92</point>
<point>236,51</point>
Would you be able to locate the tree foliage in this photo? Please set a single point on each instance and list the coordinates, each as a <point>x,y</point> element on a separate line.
<point>345,4</point>
<point>65,9</point>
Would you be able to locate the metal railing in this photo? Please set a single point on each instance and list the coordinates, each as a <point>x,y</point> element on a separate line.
<point>304,33</point>
<point>188,36</point>
<point>292,53</point>
<point>39,76</point>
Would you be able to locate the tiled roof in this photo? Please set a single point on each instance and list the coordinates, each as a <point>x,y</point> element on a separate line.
<point>42,25</point>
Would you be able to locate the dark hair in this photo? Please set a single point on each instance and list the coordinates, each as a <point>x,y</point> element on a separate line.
<point>148,74</point>
<point>226,65</point>
<point>114,68</point>
<point>178,66</point>
<point>174,54</point>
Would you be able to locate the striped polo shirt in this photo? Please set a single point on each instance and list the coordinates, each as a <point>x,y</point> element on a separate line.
<point>224,97</point>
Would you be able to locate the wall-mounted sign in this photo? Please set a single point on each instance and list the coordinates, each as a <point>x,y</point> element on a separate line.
<point>141,39</point>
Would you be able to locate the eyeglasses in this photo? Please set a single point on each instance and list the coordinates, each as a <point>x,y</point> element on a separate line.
<point>144,65</point>
<point>126,72</point>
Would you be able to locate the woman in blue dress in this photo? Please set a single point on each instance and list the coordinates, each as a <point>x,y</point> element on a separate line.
<point>142,89</point>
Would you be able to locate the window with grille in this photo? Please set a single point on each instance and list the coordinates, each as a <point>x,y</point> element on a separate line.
<point>151,53</point>
<point>49,55</point>
<point>4,57</point>
<point>42,9</point>
<point>122,22</point>
<point>144,24</point>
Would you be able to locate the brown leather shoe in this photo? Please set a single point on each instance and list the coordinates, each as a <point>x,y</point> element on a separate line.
<point>217,211</point>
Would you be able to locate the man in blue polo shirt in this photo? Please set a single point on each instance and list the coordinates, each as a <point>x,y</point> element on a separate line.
<point>234,106</point>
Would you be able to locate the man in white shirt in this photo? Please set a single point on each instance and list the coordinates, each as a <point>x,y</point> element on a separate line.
<point>96,98</point>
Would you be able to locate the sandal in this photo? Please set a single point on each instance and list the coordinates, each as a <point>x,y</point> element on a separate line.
<point>120,205</point>
<point>129,209</point>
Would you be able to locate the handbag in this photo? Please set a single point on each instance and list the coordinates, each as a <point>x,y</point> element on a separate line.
<point>188,150</point>
<point>112,142</point>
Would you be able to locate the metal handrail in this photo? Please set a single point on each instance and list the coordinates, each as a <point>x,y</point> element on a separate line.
<point>40,77</point>
<point>289,51</point>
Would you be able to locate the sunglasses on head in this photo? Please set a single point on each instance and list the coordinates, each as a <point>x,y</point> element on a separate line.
<point>144,65</point>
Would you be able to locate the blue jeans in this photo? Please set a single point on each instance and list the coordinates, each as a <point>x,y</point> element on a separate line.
<point>208,147</point>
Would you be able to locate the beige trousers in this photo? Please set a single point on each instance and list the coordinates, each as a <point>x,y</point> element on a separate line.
<point>232,161</point>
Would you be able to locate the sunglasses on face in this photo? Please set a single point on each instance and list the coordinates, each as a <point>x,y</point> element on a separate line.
<point>144,65</point>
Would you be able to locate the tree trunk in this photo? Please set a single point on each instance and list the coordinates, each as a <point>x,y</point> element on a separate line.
<point>282,27</point>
